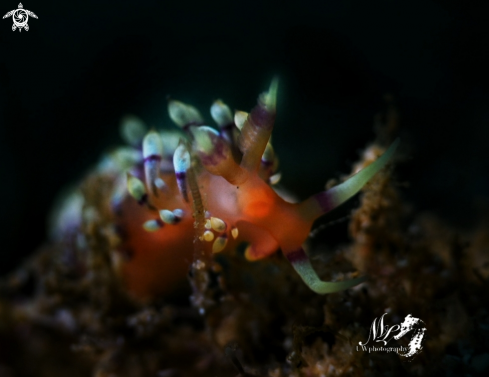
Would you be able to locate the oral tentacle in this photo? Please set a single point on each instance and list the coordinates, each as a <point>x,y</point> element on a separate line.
<point>325,201</point>
<point>302,265</point>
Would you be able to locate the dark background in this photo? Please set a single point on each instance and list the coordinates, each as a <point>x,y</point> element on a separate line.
<point>66,83</point>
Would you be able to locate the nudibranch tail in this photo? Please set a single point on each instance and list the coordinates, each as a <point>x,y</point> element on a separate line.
<point>301,263</point>
<point>326,201</point>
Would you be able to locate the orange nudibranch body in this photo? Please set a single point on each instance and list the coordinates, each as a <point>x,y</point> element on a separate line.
<point>233,168</point>
<point>160,259</point>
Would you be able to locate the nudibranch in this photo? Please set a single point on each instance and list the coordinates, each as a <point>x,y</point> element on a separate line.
<point>228,172</point>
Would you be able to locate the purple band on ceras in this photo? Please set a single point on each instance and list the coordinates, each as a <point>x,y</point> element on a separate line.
<point>182,184</point>
<point>325,201</point>
<point>153,157</point>
<point>151,166</point>
<point>262,118</point>
<point>218,154</point>
<point>187,126</point>
<point>296,256</point>
<point>228,127</point>
<point>226,132</point>
<point>143,200</point>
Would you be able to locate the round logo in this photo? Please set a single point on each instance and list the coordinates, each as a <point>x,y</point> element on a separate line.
<point>20,18</point>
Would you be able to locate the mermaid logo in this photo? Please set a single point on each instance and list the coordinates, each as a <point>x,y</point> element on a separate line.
<point>20,17</point>
<point>382,334</point>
